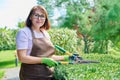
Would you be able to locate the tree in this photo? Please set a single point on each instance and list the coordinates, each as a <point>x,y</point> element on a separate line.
<point>76,16</point>
<point>113,22</point>
<point>106,25</point>
<point>97,24</point>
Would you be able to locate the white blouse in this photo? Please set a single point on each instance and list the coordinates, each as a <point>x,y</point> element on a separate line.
<point>24,39</point>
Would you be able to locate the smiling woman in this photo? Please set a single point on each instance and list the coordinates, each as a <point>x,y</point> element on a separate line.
<point>35,49</point>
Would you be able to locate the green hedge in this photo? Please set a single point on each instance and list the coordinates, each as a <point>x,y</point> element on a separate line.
<point>107,69</point>
<point>7,39</point>
<point>64,38</point>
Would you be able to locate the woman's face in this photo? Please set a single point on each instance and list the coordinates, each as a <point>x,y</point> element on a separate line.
<point>38,19</point>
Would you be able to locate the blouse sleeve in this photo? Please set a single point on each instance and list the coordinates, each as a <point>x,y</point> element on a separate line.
<point>21,40</point>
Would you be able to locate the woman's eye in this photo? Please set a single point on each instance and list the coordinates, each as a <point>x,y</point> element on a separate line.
<point>36,15</point>
<point>39,16</point>
<point>42,16</point>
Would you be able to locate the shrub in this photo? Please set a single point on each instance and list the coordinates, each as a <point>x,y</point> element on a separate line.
<point>107,69</point>
<point>64,38</point>
<point>7,39</point>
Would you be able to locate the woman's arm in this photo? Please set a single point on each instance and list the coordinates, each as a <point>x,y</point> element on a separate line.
<point>24,58</point>
<point>35,60</point>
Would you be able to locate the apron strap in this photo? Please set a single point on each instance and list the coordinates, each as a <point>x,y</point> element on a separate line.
<point>33,35</point>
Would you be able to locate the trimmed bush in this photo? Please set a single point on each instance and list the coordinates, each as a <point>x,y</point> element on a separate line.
<point>107,69</point>
<point>7,39</point>
<point>64,38</point>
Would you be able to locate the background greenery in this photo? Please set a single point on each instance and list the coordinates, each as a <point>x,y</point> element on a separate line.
<point>7,59</point>
<point>7,39</point>
<point>94,30</point>
<point>64,38</point>
<point>96,24</point>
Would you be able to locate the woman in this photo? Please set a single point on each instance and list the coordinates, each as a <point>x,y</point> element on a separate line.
<point>34,48</point>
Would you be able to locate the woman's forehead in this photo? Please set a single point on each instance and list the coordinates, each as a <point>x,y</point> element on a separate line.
<point>38,11</point>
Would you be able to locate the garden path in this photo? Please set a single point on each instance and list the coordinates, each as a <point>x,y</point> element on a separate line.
<point>11,74</point>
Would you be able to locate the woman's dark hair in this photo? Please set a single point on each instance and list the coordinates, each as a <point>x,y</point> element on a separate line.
<point>42,9</point>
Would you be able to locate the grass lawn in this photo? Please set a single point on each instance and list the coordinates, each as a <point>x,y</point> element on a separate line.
<point>7,60</point>
<point>1,73</point>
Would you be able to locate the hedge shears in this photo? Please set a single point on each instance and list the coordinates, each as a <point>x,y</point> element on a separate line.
<point>74,58</point>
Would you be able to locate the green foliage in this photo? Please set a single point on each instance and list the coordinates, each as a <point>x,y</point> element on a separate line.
<point>21,24</point>
<point>65,38</point>
<point>98,24</point>
<point>7,39</point>
<point>107,69</point>
<point>106,25</point>
<point>113,24</point>
<point>60,73</point>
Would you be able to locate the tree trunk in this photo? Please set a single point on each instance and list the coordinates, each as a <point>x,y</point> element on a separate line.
<point>86,47</point>
<point>101,47</point>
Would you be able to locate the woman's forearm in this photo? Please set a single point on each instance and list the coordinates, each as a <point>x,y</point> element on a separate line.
<point>24,58</point>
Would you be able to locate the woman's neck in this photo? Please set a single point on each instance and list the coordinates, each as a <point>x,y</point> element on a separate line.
<point>38,30</point>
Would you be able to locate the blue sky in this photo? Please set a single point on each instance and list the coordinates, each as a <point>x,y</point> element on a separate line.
<point>13,11</point>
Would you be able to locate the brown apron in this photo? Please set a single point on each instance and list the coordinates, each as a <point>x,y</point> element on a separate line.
<point>42,47</point>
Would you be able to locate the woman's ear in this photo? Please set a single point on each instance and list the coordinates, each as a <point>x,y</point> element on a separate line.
<point>30,18</point>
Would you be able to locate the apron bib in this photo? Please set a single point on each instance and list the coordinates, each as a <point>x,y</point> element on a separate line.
<point>42,47</point>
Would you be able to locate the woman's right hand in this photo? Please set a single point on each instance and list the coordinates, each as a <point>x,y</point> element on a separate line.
<point>49,62</point>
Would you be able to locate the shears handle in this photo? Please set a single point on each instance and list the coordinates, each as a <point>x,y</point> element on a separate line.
<point>63,62</point>
<point>63,50</point>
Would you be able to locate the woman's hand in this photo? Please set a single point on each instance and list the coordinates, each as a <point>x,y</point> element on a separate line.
<point>49,62</point>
